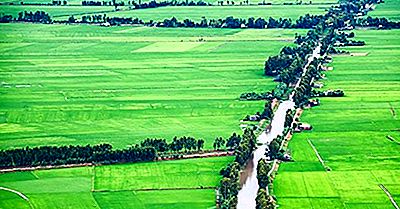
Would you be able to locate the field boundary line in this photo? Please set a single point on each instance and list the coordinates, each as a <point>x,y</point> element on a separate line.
<point>392,139</point>
<point>93,176</point>
<point>392,110</point>
<point>44,167</point>
<point>389,195</point>
<point>318,155</point>
<point>35,175</point>
<point>156,189</point>
<point>20,194</point>
<point>95,200</point>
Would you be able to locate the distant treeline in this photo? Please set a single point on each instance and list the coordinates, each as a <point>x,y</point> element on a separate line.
<point>34,17</point>
<point>303,22</point>
<point>151,4</point>
<point>378,22</point>
<point>306,21</point>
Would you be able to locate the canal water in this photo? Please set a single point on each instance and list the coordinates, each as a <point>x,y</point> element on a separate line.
<point>247,195</point>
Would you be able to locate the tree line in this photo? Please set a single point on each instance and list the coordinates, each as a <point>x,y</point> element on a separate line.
<point>264,201</point>
<point>34,17</point>
<point>62,155</point>
<point>328,93</point>
<point>256,96</point>
<point>147,150</point>
<point>38,16</point>
<point>378,22</point>
<point>347,19</point>
<point>306,21</point>
<point>145,5</point>
<point>184,143</point>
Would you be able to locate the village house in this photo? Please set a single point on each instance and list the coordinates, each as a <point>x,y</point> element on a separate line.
<point>303,127</point>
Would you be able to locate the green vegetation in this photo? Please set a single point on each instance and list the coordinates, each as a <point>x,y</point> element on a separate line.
<point>88,84</point>
<point>119,185</point>
<point>11,200</point>
<point>350,133</point>
<point>83,84</point>
<point>170,199</point>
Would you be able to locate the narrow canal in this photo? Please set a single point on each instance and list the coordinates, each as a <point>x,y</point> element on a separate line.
<point>247,195</point>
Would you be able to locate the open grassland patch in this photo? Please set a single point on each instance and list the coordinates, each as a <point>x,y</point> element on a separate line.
<point>350,133</point>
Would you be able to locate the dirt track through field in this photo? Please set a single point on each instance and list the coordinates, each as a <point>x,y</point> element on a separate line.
<point>19,194</point>
<point>389,195</point>
<point>317,153</point>
<point>392,110</point>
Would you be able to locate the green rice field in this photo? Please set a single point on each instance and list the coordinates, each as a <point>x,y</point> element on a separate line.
<point>167,184</point>
<point>87,84</point>
<point>390,10</point>
<point>350,133</point>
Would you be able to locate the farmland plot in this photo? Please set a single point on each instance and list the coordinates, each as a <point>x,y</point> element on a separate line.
<point>167,184</point>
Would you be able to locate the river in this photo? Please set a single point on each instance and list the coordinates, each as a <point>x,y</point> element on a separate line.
<point>247,195</point>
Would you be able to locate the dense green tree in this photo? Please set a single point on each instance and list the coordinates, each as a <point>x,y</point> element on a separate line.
<point>263,201</point>
<point>262,173</point>
<point>233,141</point>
